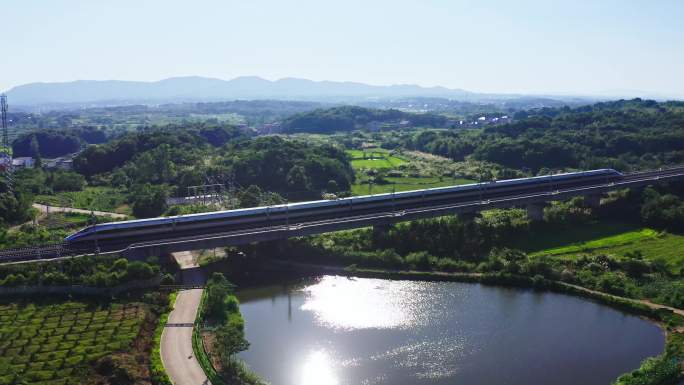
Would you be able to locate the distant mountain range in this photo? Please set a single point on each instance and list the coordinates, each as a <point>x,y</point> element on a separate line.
<point>196,89</point>
<point>95,93</point>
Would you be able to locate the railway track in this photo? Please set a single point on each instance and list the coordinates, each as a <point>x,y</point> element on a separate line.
<point>66,250</point>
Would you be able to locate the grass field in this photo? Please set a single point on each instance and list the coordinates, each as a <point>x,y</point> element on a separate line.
<point>377,158</point>
<point>405,184</point>
<point>53,344</point>
<point>612,238</point>
<point>69,220</point>
<point>91,198</point>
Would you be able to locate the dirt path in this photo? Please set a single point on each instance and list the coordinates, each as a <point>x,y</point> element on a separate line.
<point>55,209</point>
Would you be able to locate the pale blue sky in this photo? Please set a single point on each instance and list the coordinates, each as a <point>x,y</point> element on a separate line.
<point>530,46</point>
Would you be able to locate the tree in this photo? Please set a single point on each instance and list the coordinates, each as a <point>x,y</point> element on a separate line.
<point>149,201</point>
<point>229,341</point>
<point>14,206</point>
<point>68,181</point>
<point>297,180</point>
<point>332,187</point>
<point>250,197</point>
<point>218,288</point>
<point>35,152</point>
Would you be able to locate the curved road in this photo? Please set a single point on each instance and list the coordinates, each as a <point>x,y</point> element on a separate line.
<point>176,341</point>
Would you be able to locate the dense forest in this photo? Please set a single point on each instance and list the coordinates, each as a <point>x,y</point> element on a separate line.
<point>152,163</point>
<point>157,163</point>
<point>625,135</point>
<point>348,118</point>
<point>55,143</point>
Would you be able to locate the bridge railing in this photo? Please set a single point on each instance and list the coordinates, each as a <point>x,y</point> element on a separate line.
<point>55,250</point>
<point>180,287</point>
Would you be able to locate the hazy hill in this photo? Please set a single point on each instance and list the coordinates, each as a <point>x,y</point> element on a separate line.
<point>347,118</point>
<point>211,89</point>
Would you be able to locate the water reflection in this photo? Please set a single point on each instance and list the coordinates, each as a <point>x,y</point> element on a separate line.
<point>317,369</point>
<point>340,331</point>
<point>349,303</point>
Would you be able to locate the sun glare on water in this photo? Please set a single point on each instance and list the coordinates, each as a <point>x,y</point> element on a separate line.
<point>347,303</point>
<point>318,370</point>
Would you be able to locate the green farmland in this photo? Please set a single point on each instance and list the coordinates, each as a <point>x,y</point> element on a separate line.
<point>382,160</point>
<point>377,158</point>
<point>406,184</point>
<point>91,198</point>
<point>55,343</point>
<point>613,238</point>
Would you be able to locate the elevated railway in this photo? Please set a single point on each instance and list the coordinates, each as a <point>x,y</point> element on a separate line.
<point>234,227</point>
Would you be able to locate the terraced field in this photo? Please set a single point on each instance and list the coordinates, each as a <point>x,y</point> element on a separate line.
<point>53,344</point>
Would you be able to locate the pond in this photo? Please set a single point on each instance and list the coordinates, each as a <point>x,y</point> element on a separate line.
<point>334,330</point>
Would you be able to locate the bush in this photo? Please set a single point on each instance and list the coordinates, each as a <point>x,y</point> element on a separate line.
<point>612,283</point>
<point>218,290</point>
<point>653,371</point>
<point>568,276</point>
<point>450,265</point>
<point>139,270</point>
<point>157,372</point>
<point>103,271</point>
<point>168,279</point>
<point>14,280</point>
<point>68,181</point>
<point>149,201</point>
<point>420,260</point>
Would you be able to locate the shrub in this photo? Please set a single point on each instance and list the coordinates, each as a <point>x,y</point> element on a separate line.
<point>658,370</point>
<point>68,181</point>
<point>568,276</point>
<point>139,270</point>
<point>612,283</point>
<point>120,264</point>
<point>420,260</point>
<point>168,279</point>
<point>217,289</point>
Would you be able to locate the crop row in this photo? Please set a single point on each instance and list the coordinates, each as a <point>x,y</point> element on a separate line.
<point>52,344</point>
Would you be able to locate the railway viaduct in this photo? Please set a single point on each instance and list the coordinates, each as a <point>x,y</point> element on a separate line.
<point>534,202</point>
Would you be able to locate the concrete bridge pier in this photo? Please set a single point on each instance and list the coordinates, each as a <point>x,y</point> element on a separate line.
<point>535,211</point>
<point>381,229</point>
<point>469,217</point>
<point>281,245</point>
<point>593,200</point>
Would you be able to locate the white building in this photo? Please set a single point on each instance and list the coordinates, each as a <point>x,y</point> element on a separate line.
<point>23,162</point>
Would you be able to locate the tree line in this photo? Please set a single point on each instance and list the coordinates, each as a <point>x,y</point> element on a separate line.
<point>625,135</point>
<point>348,118</point>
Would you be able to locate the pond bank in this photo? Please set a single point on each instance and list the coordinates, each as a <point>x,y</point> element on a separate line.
<point>668,318</point>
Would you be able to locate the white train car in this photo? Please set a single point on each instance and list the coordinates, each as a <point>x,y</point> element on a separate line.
<point>343,206</point>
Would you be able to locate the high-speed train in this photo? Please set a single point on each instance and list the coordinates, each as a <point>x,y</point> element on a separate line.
<point>344,207</point>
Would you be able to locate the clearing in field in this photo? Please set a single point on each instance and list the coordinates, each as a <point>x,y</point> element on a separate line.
<point>54,343</point>
<point>91,198</point>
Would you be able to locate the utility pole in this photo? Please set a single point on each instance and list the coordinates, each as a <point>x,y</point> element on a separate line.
<point>6,152</point>
<point>5,135</point>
